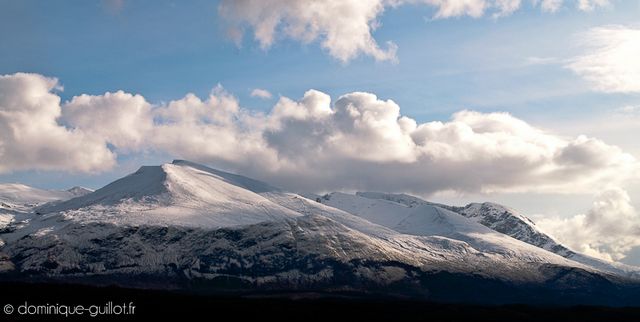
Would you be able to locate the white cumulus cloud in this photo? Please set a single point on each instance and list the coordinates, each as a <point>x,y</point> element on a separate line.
<point>611,62</point>
<point>609,230</point>
<point>345,28</point>
<point>122,119</point>
<point>312,144</point>
<point>215,129</point>
<point>363,142</point>
<point>31,136</point>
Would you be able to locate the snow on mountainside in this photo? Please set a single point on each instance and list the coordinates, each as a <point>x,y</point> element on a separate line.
<point>509,221</point>
<point>78,191</point>
<point>180,224</point>
<point>497,217</point>
<point>19,194</point>
<point>430,220</point>
<point>512,223</point>
<point>180,193</point>
<point>307,253</point>
<point>17,200</point>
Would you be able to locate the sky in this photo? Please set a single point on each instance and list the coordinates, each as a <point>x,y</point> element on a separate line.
<point>532,104</point>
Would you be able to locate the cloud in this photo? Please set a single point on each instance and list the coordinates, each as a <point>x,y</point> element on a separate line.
<point>610,64</point>
<point>632,111</point>
<point>261,93</point>
<point>550,5</point>
<point>214,130</point>
<point>535,60</point>
<point>32,138</point>
<point>609,230</point>
<point>359,142</point>
<point>121,119</point>
<point>362,142</point>
<point>345,28</point>
<point>589,5</point>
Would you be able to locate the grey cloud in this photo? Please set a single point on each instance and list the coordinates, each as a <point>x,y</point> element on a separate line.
<point>609,230</point>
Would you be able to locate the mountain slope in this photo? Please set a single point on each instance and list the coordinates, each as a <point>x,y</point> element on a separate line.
<point>180,193</point>
<point>191,195</point>
<point>509,221</point>
<point>304,254</point>
<point>496,217</point>
<point>512,223</point>
<point>431,220</point>
<point>184,225</point>
<point>17,202</point>
<point>20,195</point>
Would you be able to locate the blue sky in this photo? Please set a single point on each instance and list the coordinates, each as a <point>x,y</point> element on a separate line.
<point>163,50</point>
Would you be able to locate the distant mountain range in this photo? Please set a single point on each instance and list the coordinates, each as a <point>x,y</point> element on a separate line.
<point>189,227</point>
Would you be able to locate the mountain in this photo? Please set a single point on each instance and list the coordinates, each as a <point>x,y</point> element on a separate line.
<point>494,216</point>
<point>180,193</point>
<point>78,191</point>
<point>17,201</point>
<point>15,194</point>
<point>510,222</point>
<point>427,219</point>
<point>187,226</point>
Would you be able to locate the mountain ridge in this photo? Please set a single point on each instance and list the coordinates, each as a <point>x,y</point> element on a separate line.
<point>510,222</point>
<point>182,223</point>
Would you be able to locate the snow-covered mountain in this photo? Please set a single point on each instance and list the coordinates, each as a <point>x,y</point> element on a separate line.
<point>426,219</point>
<point>505,220</point>
<point>19,194</point>
<point>78,191</point>
<point>181,193</point>
<point>184,225</point>
<point>494,216</point>
<point>18,200</point>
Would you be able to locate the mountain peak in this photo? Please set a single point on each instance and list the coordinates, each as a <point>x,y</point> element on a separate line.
<point>494,210</point>
<point>145,185</point>
<point>400,198</point>
<point>22,194</point>
<point>234,179</point>
<point>510,222</point>
<point>182,193</point>
<point>77,191</point>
